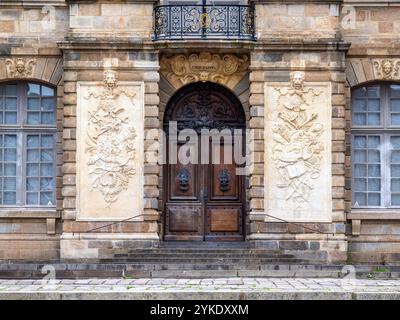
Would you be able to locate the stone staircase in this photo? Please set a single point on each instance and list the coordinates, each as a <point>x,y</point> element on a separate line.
<point>195,260</point>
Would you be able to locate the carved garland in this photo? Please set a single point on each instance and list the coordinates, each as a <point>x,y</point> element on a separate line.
<point>110,141</point>
<point>297,147</point>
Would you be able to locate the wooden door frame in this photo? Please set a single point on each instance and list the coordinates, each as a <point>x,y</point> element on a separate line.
<point>171,105</point>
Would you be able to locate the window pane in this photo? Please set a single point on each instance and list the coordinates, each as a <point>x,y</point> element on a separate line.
<point>395,200</point>
<point>360,92</point>
<point>360,142</point>
<point>9,198</point>
<point>33,118</point>
<point>47,92</point>
<point>32,198</point>
<point>374,199</point>
<point>10,104</point>
<point>33,155</point>
<point>360,170</point>
<point>395,119</point>
<point>359,105</point>
<point>41,105</point>
<point>46,198</point>
<point>394,90</point>
<point>10,118</point>
<point>360,184</point>
<point>40,185</point>
<point>11,90</point>
<point>32,170</point>
<point>374,170</point>
<point>373,156</point>
<point>33,90</point>
<point>360,199</point>
<point>395,185</point>
<point>374,184</point>
<point>359,119</point>
<point>373,119</point>
<point>373,91</point>
<point>395,105</point>
<point>374,105</point>
<point>33,141</point>
<point>33,104</point>
<point>366,183</point>
<point>32,184</point>
<point>360,156</point>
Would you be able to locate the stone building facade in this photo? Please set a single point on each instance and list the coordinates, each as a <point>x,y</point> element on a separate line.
<point>86,86</point>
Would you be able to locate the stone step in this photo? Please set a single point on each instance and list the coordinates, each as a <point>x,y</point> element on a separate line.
<point>203,255</point>
<point>176,270</point>
<point>156,260</point>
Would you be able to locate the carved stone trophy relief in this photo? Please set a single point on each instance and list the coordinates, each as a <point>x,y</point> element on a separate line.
<point>297,147</point>
<point>110,140</point>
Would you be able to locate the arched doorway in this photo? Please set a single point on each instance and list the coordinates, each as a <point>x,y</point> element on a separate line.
<point>204,186</point>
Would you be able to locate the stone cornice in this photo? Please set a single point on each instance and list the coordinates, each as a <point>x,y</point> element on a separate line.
<point>297,1</point>
<point>104,44</point>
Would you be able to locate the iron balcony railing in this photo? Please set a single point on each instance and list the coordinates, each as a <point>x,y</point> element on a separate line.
<point>182,22</point>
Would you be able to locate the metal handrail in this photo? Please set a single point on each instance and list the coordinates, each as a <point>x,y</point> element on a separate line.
<point>222,22</point>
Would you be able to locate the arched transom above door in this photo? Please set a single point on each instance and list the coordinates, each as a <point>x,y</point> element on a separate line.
<point>226,69</point>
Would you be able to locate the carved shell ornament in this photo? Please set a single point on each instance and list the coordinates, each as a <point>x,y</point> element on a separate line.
<point>297,146</point>
<point>110,140</point>
<point>20,68</point>
<point>387,69</point>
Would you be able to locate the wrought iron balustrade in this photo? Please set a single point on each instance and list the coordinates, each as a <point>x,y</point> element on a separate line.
<point>181,22</point>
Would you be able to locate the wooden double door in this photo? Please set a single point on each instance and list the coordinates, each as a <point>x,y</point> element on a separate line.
<point>203,179</point>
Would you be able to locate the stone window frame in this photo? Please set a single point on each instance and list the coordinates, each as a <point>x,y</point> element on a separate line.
<point>385,131</point>
<point>22,130</point>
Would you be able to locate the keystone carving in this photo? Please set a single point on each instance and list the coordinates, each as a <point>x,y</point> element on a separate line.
<point>20,68</point>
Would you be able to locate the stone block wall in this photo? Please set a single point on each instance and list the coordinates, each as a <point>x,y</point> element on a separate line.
<point>101,239</point>
<point>318,241</point>
<point>290,20</point>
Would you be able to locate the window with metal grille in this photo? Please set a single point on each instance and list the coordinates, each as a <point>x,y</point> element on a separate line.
<point>27,145</point>
<point>376,146</point>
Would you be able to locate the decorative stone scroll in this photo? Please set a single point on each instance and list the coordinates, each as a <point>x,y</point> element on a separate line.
<point>181,69</point>
<point>297,150</point>
<point>20,67</point>
<point>110,149</point>
<point>387,69</point>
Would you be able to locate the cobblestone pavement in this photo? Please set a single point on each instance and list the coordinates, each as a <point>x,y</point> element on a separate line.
<point>216,288</point>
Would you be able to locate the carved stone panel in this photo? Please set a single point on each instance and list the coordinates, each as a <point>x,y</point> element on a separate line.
<point>226,69</point>
<point>387,69</point>
<point>298,151</point>
<point>20,67</point>
<point>110,130</point>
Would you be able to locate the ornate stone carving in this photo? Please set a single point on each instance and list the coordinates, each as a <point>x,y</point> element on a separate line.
<point>20,67</point>
<point>296,136</point>
<point>225,69</point>
<point>387,69</point>
<point>110,140</point>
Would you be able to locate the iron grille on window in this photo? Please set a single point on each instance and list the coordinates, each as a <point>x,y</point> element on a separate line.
<point>176,22</point>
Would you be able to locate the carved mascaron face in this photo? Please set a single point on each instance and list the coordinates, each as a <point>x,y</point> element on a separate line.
<point>110,79</point>
<point>20,66</point>
<point>387,68</point>
<point>297,80</point>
